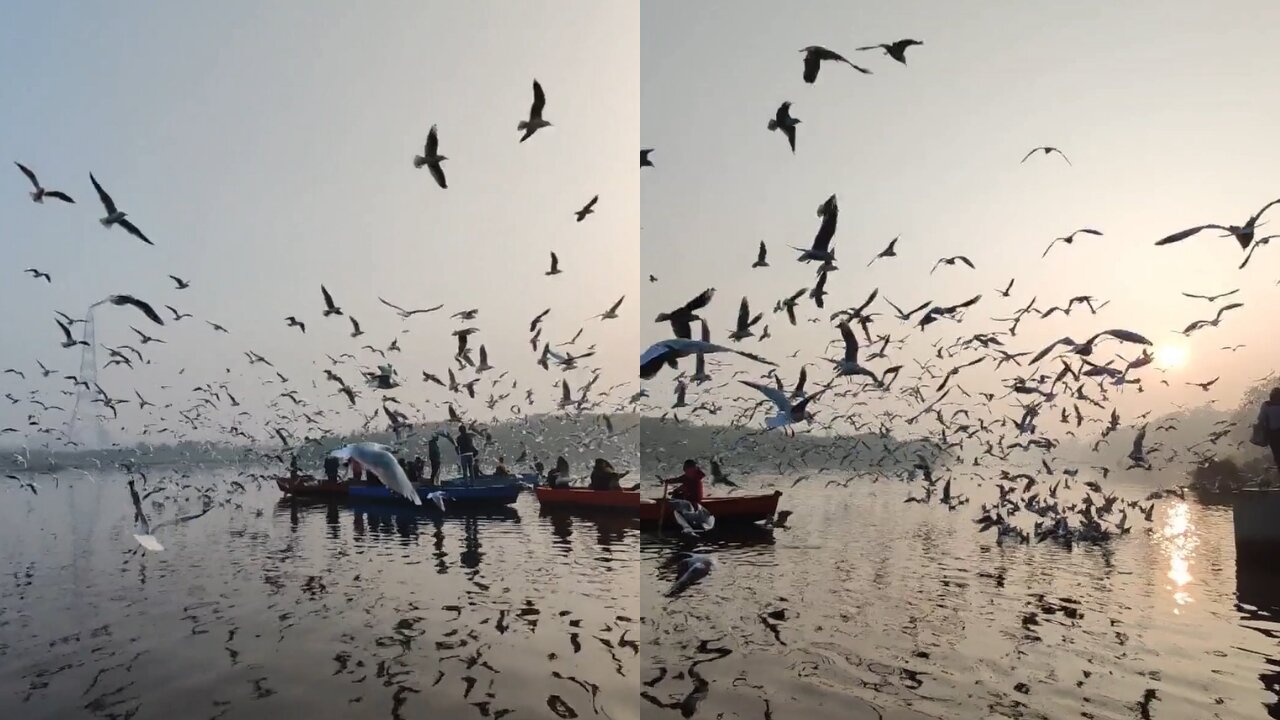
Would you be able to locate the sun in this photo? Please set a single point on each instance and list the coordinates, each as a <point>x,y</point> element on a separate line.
<point>1172,357</point>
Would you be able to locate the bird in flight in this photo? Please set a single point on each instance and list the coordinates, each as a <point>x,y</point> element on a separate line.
<point>535,121</point>
<point>181,284</point>
<point>745,322</point>
<point>1199,324</point>
<point>555,266</point>
<point>587,209</point>
<point>815,54</point>
<point>612,312</point>
<point>896,50</point>
<point>432,158</point>
<point>783,121</point>
<point>887,252</point>
<point>292,321</point>
<point>952,261</point>
<point>329,307</point>
<point>68,341</point>
<point>39,193</point>
<point>408,313</point>
<point>1212,298</point>
<point>1046,150</point>
<point>761,257</point>
<point>37,274</point>
<point>682,318</point>
<point>1242,233</point>
<point>114,216</point>
<point>145,308</point>
<point>644,157</point>
<point>1069,239</point>
<point>821,249</point>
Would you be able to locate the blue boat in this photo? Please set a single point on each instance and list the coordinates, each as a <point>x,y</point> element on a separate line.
<point>459,494</point>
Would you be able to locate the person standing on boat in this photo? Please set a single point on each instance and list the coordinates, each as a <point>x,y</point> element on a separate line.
<point>690,482</point>
<point>604,477</point>
<point>357,471</point>
<point>331,467</point>
<point>294,470</point>
<point>1269,420</point>
<point>466,444</point>
<point>433,456</point>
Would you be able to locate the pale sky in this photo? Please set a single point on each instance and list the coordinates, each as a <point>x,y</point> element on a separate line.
<point>1164,109</point>
<point>266,148</point>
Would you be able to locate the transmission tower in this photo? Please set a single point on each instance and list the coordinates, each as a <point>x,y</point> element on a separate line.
<point>85,426</point>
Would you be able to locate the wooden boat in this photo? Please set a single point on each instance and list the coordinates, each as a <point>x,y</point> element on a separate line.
<point>306,486</point>
<point>727,510</point>
<point>583,498</point>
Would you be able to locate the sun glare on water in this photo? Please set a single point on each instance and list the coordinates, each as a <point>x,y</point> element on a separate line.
<point>1172,357</point>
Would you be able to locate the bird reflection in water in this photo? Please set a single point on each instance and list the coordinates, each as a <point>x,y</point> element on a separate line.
<point>1179,539</point>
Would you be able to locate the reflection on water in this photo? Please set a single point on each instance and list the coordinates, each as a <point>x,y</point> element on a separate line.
<point>295,609</point>
<point>869,607</point>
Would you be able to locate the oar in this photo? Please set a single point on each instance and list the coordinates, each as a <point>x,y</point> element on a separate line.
<point>662,507</point>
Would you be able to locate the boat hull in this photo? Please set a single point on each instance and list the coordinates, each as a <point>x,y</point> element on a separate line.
<point>498,494</point>
<point>582,498</point>
<point>727,510</point>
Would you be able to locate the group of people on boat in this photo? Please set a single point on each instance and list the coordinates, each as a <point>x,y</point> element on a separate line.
<point>418,470</point>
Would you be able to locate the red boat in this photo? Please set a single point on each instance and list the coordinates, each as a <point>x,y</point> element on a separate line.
<point>726,510</point>
<point>590,499</point>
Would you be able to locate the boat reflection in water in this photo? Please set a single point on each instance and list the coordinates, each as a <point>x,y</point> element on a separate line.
<point>1258,603</point>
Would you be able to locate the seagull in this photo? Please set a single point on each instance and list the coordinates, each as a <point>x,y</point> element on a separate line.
<point>761,256</point>
<point>1198,324</point>
<point>143,530</point>
<point>692,569</point>
<point>819,290</point>
<point>329,307</point>
<point>533,325</point>
<point>555,266</point>
<point>432,158</point>
<point>37,274</point>
<point>782,120</point>
<point>1212,298</point>
<point>745,322</point>
<point>385,378</point>
<point>667,352</point>
<point>682,318</point>
<point>295,322</point>
<point>69,342</point>
<point>788,412</point>
<point>484,361</point>
<point>887,252</point>
<point>1086,348</point>
<point>952,261</point>
<point>145,338</point>
<point>355,327</point>
<point>848,365</point>
<point>644,157</point>
<point>408,313</point>
<point>1007,288</point>
<point>114,216</point>
<point>121,300</point>
<point>1259,242</point>
<point>1204,385</point>
<point>218,328</point>
<point>378,459</point>
<point>535,121</point>
<point>1070,238</point>
<point>815,54</point>
<point>1242,233</point>
<point>1137,454</point>
<point>1046,150</point>
<point>587,209</point>
<point>39,193</point>
<point>181,284</point>
<point>821,250</point>
<point>906,316</point>
<point>438,498</point>
<point>896,50</point>
<point>610,314</point>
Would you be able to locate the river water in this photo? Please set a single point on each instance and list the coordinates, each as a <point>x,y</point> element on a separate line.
<point>276,609</point>
<point>868,607</point>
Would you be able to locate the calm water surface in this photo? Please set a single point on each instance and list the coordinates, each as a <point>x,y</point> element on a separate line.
<point>278,609</point>
<point>869,607</point>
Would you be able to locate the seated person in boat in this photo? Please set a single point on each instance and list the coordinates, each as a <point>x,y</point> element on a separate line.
<point>690,482</point>
<point>501,469</point>
<point>331,467</point>
<point>357,471</point>
<point>604,477</point>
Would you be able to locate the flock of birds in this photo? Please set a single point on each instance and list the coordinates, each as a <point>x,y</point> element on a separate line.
<point>1071,381</point>
<point>361,390</point>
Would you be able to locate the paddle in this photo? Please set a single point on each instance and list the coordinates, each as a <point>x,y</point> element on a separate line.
<point>662,507</point>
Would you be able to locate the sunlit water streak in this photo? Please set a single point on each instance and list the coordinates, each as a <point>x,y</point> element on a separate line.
<point>867,601</point>
<point>282,609</point>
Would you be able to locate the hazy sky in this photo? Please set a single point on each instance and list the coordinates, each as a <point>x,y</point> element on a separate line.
<point>1163,108</point>
<point>267,148</point>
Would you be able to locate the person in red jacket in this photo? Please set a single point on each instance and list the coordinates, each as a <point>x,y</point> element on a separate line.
<point>690,482</point>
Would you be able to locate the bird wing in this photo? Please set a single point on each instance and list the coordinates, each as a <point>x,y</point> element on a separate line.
<point>617,304</point>
<point>539,100</point>
<point>66,331</point>
<point>592,203</point>
<point>1124,336</point>
<point>698,302</point>
<point>744,314</point>
<point>433,143</point>
<point>1183,235</point>
<point>1029,154</point>
<point>555,261</point>
<point>776,396</point>
<point>1225,308</point>
<point>107,203</point>
<point>393,307</point>
<point>32,176</point>
<point>827,230</point>
<point>328,299</point>
<point>1252,220</point>
<point>850,342</point>
<point>134,231</point>
<point>811,65</point>
<point>141,305</point>
<point>922,306</point>
<point>1061,341</point>
<point>437,172</point>
<point>764,251</point>
<point>355,324</point>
